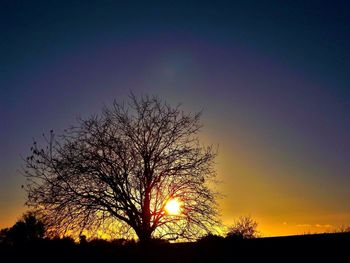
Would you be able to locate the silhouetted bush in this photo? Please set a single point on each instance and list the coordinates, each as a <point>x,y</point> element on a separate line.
<point>210,238</point>
<point>244,227</point>
<point>123,242</point>
<point>27,229</point>
<point>158,241</point>
<point>3,235</point>
<point>343,229</point>
<point>82,240</point>
<point>98,242</point>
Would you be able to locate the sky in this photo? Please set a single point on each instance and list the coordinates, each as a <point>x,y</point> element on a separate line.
<point>272,79</point>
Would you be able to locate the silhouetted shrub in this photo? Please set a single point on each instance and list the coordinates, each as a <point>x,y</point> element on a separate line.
<point>3,235</point>
<point>210,238</point>
<point>62,242</point>
<point>98,242</point>
<point>123,242</point>
<point>82,240</point>
<point>27,229</point>
<point>244,227</point>
<point>343,229</point>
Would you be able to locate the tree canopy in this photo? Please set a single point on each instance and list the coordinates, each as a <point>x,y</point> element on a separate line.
<point>118,170</point>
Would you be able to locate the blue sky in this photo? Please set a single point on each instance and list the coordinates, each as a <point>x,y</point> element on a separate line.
<point>272,78</point>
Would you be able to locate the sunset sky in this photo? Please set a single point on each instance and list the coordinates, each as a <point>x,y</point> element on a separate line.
<point>272,79</point>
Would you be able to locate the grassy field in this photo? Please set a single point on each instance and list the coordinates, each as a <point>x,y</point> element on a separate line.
<point>329,247</point>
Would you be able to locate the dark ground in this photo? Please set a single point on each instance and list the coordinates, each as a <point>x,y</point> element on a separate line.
<point>324,247</point>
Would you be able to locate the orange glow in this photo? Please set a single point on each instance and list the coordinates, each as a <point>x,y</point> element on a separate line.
<point>173,207</point>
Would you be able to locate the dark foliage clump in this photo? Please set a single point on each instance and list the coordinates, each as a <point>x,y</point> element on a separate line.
<point>28,229</point>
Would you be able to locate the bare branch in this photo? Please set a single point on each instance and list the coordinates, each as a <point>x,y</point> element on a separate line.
<point>125,165</point>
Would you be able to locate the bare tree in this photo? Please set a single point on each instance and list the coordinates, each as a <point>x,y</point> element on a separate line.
<point>121,168</point>
<point>342,229</point>
<point>245,227</point>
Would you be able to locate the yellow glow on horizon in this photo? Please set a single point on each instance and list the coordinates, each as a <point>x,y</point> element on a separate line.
<point>173,207</point>
<point>280,195</point>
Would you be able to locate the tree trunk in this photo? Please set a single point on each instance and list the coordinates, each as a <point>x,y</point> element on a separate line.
<point>145,237</point>
<point>145,232</point>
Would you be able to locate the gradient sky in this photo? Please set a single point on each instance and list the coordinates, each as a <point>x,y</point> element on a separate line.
<point>271,76</point>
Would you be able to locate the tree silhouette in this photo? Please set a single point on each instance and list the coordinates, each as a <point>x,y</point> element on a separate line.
<point>245,227</point>
<point>120,169</point>
<point>28,228</point>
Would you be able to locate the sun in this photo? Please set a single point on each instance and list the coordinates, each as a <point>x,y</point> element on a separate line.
<point>173,207</point>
